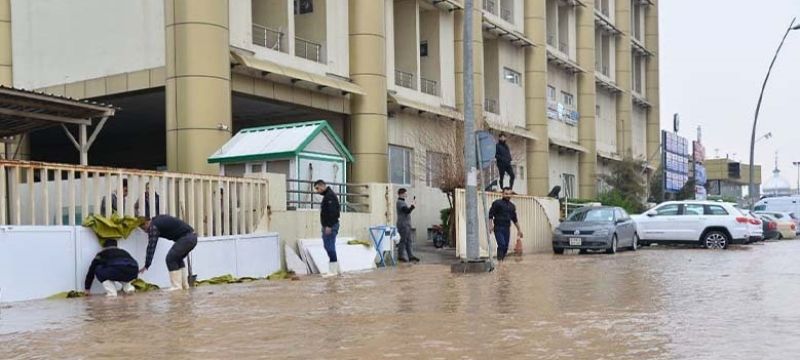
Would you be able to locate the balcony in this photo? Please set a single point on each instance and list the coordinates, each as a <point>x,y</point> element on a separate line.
<point>307,49</point>
<point>490,6</point>
<point>429,87</point>
<point>266,37</point>
<point>490,105</point>
<point>404,79</point>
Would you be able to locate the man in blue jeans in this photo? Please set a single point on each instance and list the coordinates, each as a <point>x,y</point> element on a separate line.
<point>503,213</point>
<point>329,217</point>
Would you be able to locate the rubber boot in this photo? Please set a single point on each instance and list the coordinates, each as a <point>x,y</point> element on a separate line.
<point>185,278</point>
<point>110,287</point>
<point>333,270</point>
<point>175,280</point>
<point>128,288</point>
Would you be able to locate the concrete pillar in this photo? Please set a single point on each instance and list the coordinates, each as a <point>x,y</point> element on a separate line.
<point>538,152</point>
<point>653,93</point>
<point>198,90</point>
<point>587,102</point>
<point>624,79</point>
<point>477,60</point>
<point>369,128</point>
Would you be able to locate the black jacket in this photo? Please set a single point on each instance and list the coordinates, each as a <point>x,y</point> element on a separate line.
<point>329,211</point>
<point>109,257</point>
<point>167,227</point>
<point>502,153</point>
<point>503,213</point>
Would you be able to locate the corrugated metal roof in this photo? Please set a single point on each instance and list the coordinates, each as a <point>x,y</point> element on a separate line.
<point>272,142</point>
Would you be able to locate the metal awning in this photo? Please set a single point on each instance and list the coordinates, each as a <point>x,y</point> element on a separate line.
<point>606,83</point>
<point>639,48</point>
<point>641,101</point>
<point>502,32</point>
<point>605,23</point>
<point>403,103</point>
<point>567,145</point>
<point>563,61</point>
<point>608,155</point>
<point>24,111</point>
<point>448,5</point>
<point>499,125</point>
<point>265,68</point>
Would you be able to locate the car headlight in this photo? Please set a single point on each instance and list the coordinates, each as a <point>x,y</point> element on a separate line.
<point>603,232</point>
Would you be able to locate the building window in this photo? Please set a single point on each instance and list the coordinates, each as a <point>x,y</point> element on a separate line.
<point>400,165</point>
<point>435,165</point>
<point>423,48</point>
<point>512,76</point>
<point>568,99</point>
<point>568,185</point>
<point>551,93</point>
<point>303,6</point>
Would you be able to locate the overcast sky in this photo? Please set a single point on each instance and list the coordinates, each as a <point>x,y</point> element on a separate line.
<point>714,56</point>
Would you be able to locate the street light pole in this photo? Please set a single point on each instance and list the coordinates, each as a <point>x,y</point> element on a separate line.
<point>752,187</point>
<point>797,164</point>
<point>470,170</point>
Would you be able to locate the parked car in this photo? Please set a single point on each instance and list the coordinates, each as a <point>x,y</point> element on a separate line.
<point>784,204</point>
<point>596,228</point>
<point>770,226</point>
<point>785,216</point>
<point>713,225</point>
<point>756,227</point>
<point>785,227</point>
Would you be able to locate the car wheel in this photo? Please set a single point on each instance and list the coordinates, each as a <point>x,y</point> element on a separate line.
<point>635,245</point>
<point>613,248</point>
<point>715,240</point>
<point>559,251</point>
<point>583,251</point>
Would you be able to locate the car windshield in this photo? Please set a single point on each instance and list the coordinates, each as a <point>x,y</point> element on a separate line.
<point>760,207</point>
<point>601,214</point>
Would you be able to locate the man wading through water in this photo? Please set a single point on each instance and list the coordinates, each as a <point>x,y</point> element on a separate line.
<point>329,217</point>
<point>404,226</point>
<point>503,213</point>
<point>171,228</point>
<point>503,158</point>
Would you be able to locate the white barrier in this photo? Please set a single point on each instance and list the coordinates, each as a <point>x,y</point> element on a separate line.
<point>39,261</point>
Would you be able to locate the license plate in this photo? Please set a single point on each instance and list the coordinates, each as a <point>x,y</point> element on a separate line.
<point>575,241</point>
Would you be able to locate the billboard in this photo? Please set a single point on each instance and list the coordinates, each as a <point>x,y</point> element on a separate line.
<point>675,157</point>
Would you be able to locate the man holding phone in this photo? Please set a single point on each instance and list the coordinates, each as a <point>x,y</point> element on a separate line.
<point>404,225</point>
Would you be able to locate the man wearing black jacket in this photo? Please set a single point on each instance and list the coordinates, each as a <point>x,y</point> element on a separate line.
<point>171,228</point>
<point>329,217</point>
<point>503,157</point>
<point>114,268</point>
<point>404,226</point>
<point>503,213</point>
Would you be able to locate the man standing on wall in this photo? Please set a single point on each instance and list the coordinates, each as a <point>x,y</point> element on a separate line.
<point>502,214</point>
<point>171,228</point>
<point>404,225</point>
<point>329,217</point>
<point>503,157</point>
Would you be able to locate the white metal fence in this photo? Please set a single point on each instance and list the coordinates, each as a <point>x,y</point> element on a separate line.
<point>34,193</point>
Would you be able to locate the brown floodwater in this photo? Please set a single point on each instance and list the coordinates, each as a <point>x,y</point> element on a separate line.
<point>658,303</point>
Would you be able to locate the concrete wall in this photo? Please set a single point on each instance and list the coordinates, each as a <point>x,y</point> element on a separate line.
<point>563,163</point>
<point>512,96</point>
<point>56,42</point>
<point>406,48</point>
<point>639,127</point>
<point>68,251</point>
<point>430,66</point>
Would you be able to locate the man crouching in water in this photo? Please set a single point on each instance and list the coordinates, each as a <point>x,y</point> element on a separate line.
<point>114,268</point>
<point>171,228</point>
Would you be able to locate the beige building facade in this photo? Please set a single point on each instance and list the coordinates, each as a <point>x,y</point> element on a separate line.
<point>573,82</point>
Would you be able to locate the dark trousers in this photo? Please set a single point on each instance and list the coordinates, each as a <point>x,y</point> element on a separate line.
<point>405,241</point>
<point>180,250</point>
<point>121,273</point>
<point>503,169</point>
<point>330,242</point>
<point>502,235</point>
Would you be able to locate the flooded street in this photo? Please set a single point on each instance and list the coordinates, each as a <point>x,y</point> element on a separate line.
<point>658,303</point>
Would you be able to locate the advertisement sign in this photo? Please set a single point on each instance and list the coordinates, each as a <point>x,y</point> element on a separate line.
<point>675,157</point>
<point>700,176</point>
<point>699,153</point>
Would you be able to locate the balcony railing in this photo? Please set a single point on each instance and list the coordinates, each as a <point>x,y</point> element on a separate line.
<point>404,79</point>
<point>490,105</point>
<point>430,87</point>
<point>507,14</point>
<point>300,194</point>
<point>307,49</point>
<point>490,6</point>
<point>266,37</point>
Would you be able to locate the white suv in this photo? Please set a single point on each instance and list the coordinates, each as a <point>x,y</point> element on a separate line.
<point>711,224</point>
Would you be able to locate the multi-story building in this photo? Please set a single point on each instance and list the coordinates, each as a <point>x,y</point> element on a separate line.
<point>573,82</point>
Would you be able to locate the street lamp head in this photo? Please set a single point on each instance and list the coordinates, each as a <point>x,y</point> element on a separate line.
<point>796,27</point>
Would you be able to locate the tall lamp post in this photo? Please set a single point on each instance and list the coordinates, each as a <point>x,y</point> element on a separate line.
<point>797,164</point>
<point>752,187</point>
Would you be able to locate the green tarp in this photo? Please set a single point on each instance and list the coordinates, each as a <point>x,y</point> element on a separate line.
<point>115,227</point>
